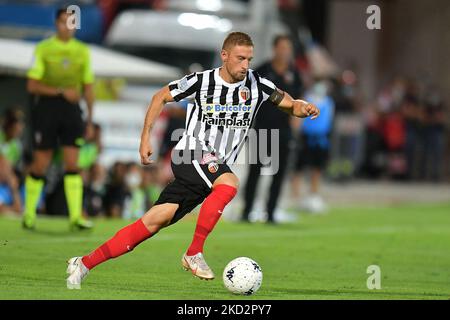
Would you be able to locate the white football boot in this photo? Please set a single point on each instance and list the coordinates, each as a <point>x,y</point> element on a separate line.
<point>198,266</point>
<point>77,272</point>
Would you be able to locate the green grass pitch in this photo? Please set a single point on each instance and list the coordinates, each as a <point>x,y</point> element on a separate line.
<point>319,257</point>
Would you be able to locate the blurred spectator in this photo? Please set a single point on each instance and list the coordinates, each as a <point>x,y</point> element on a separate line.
<point>394,136</point>
<point>10,201</point>
<point>314,146</point>
<point>135,204</point>
<point>95,191</point>
<point>91,149</point>
<point>175,113</point>
<point>10,135</point>
<point>413,117</point>
<point>373,163</point>
<point>434,136</point>
<point>347,139</point>
<point>115,191</point>
<point>10,156</point>
<point>406,132</point>
<point>152,184</point>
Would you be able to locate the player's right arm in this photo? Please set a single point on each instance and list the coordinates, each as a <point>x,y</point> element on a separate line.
<point>160,98</point>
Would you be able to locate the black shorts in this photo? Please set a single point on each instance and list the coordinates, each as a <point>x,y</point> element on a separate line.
<point>56,122</point>
<point>313,152</point>
<point>192,184</point>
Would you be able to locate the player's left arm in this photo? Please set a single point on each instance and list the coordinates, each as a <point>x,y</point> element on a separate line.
<point>294,107</point>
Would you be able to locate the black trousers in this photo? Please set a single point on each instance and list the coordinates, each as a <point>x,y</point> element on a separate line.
<point>277,179</point>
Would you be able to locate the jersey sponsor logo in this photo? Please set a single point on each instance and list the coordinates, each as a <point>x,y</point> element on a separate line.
<point>244,93</point>
<point>226,122</point>
<point>216,108</point>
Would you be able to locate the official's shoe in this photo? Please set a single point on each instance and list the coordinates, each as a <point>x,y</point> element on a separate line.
<point>28,226</point>
<point>198,266</point>
<point>81,225</point>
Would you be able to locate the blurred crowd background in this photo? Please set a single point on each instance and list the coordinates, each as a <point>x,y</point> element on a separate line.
<point>390,88</point>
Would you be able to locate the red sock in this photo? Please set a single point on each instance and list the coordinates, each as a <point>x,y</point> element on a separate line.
<point>210,213</point>
<point>123,241</point>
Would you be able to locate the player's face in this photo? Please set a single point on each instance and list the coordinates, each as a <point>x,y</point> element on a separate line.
<point>236,60</point>
<point>284,51</point>
<point>62,27</point>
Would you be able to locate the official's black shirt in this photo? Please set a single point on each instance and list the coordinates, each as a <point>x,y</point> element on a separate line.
<point>270,116</point>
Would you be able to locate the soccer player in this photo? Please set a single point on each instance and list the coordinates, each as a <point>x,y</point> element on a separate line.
<point>224,103</point>
<point>61,73</point>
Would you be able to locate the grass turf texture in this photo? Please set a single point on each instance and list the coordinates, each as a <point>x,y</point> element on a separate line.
<point>320,257</point>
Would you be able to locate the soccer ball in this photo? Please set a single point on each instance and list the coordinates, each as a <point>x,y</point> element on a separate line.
<point>242,276</point>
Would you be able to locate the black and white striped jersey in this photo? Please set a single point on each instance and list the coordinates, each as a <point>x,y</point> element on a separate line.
<point>219,114</point>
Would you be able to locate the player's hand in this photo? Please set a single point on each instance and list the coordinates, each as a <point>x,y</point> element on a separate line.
<point>305,109</point>
<point>72,95</point>
<point>145,150</point>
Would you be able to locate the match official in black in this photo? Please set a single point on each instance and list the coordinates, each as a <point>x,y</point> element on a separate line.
<point>281,71</point>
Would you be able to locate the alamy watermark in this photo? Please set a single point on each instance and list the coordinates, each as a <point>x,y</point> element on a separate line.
<point>374,280</point>
<point>374,20</point>
<point>261,147</point>
<point>74,19</point>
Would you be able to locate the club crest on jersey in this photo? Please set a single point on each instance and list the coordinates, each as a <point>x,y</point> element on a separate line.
<point>213,167</point>
<point>244,92</point>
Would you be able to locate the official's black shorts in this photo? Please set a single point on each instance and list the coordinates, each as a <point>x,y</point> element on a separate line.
<point>192,184</point>
<point>56,122</point>
<point>312,154</point>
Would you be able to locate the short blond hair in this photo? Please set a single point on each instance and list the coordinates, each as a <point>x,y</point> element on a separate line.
<point>237,39</point>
